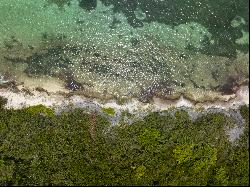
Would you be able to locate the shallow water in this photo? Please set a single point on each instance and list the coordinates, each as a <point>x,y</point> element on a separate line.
<point>125,48</point>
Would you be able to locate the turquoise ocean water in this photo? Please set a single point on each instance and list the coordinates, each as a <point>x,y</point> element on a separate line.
<point>126,48</point>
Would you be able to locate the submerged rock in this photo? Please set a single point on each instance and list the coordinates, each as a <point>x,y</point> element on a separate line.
<point>73,85</point>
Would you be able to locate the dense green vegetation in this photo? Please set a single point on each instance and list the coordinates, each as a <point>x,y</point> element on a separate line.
<point>38,147</point>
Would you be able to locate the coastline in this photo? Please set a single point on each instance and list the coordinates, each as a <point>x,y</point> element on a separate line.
<point>21,99</point>
<point>61,102</point>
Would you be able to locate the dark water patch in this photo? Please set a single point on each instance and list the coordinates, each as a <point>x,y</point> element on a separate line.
<point>135,41</point>
<point>114,23</point>
<point>45,62</point>
<point>45,36</point>
<point>88,4</point>
<point>231,86</point>
<point>224,43</point>
<point>161,88</point>
<point>134,22</point>
<point>59,3</point>
<point>214,15</point>
<point>127,7</point>
<point>42,64</point>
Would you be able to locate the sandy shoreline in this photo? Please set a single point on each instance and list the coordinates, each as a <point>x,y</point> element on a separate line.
<point>21,99</point>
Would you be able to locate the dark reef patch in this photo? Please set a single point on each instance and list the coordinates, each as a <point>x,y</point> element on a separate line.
<point>88,4</point>
<point>73,85</point>
<point>161,89</point>
<point>230,87</point>
<point>214,15</point>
